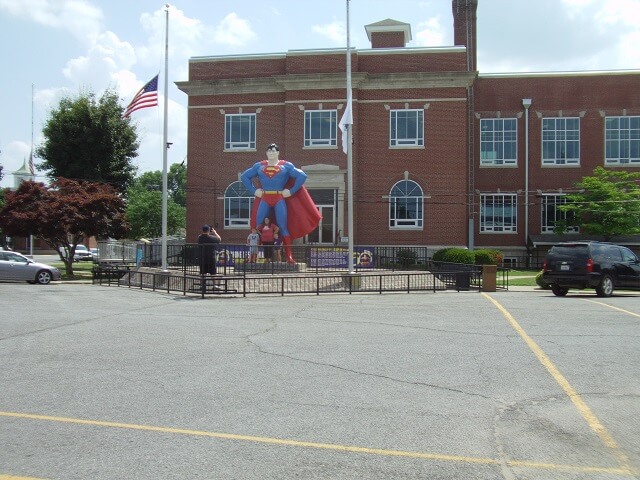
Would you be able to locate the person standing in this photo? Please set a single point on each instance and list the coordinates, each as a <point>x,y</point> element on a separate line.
<point>207,242</point>
<point>253,240</point>
<point>277,247</point>
<point>267,230</point>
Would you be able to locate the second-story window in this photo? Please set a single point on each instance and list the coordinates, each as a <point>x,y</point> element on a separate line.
<point>498,142</point>
<point>560,141</point>
<point>407,128</point>
<point>240,131</point>
<point>320,128</point>
<point>622,137</point>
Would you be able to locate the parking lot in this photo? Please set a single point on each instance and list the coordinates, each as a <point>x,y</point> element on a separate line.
<point>105,383</point>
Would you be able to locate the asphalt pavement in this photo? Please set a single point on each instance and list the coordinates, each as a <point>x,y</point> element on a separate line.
<point>107,382</point>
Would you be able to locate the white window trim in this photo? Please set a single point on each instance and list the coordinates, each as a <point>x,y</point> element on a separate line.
<point>492,229</point>
<point>240,146</point>
<point>416,142</point>
<point>511,162</point>
<point>559,162</point>
<point>546,229</point>
<point>323,142</point>
<point>618,162</point>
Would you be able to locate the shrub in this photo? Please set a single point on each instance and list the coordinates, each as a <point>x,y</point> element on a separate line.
<point>454,255</point>
<point>488,257</point>
<point>540,282</point>
<point>406,257</point>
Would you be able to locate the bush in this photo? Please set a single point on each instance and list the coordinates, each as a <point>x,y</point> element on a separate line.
<point>488,257</point>
<point>454,255</point>
<point>540,282</point>
<point>406,257</point>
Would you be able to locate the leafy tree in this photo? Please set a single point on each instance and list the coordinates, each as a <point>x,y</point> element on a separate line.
<point>87,139</point>
<point>176,182</point>
<point>64,214</point>
<point>144,209</point>
<point>607,203</point>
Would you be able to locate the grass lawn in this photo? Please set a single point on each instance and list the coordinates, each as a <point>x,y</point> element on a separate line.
<point>523,278</point>
<point>81,270</point>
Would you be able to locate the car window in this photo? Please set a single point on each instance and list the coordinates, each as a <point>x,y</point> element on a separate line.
<point>12,257</point>
<point>569,252</point>
<point>628,255</point>
<point>613,254</point>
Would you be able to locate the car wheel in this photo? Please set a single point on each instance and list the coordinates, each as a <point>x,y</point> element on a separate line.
<point>605,289</point>
<point>559,291</point>
<point>43,277</point>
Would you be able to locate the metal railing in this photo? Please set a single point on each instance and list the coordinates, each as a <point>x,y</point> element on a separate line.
<point>244,285</point>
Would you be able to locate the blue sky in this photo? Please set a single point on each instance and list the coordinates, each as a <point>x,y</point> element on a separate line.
<point>64,47</point>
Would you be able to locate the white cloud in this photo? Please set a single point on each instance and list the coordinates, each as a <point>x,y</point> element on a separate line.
<point>233,30</point>
<point>430,33</point>
<point>78,17</point>
<point>335,31</point>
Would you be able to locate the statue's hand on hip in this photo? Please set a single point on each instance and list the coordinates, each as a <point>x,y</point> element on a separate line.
<point>259,192</point>
<point>286,193</point>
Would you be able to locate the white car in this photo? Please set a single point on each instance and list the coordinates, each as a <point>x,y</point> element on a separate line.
<point>83,253</point>
<point>14,266</point>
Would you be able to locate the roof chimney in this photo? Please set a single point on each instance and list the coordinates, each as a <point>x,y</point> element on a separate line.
<point>388,34</point>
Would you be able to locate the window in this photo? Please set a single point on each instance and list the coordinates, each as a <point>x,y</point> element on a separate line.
<point>560,141</point>
<point>498,141</point>
<point>498,213</point>
<point>551,216</point>
<point>320,128</point>
<point>407,128</point>
<point>237,205</point>
<point>405,205</point>
<point>622,140</point>
<point>240,131</point>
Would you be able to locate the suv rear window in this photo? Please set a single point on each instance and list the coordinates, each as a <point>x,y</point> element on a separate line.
<point>569,252</point>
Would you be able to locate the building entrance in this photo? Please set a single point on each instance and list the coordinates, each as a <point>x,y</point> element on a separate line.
<point>325,200</point>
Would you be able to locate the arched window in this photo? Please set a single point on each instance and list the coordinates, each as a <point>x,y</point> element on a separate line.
<point>406,205</point>
<point>237,205</point>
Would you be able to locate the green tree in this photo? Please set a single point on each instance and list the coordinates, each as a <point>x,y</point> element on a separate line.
<point>607,203</point>
<point>176,182</point>
<point>87,139</point>
<point>144,209</point>
<point>64,214</point>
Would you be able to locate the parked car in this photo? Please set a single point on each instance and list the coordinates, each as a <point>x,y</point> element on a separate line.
<point>82,253</point>
<point>14,266</point>
<point>599,265</point>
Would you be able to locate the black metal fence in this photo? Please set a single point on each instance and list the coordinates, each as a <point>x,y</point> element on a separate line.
<point>309,258</point>
<point>244,285</point>
<point>318,269</point>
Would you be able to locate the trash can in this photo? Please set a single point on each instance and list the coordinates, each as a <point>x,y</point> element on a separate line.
<point>463,280</point>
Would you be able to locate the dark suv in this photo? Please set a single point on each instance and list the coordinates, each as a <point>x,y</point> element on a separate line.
<point>598,265</point>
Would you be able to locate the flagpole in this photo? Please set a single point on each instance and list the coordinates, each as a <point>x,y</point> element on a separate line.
<point>165,145</point>
<point>33,176</point>
<point>349,152</point>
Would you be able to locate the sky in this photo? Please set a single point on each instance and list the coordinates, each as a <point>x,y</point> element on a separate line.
<point>53,49</point>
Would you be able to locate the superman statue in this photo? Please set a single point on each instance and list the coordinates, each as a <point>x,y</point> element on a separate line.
<point>280,192</point>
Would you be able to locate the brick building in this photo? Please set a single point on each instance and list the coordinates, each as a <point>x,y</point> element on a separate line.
<point>442,154</point>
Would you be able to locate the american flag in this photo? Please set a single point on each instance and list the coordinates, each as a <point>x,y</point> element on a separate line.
<point>31,166</point>
<point>147,96</point>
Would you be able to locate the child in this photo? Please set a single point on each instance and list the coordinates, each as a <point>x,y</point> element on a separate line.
<point>277,246</point>
<point>253,240</point>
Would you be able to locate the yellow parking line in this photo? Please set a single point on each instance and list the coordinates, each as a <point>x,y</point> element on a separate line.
<point>573,395</point>
<point>13,477</point>
<point>325,446</point>
<point>633,314</point>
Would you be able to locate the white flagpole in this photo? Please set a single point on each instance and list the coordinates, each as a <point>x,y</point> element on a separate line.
<point>349,152</point>
<point>165,145</point>
<point>33,177</point>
